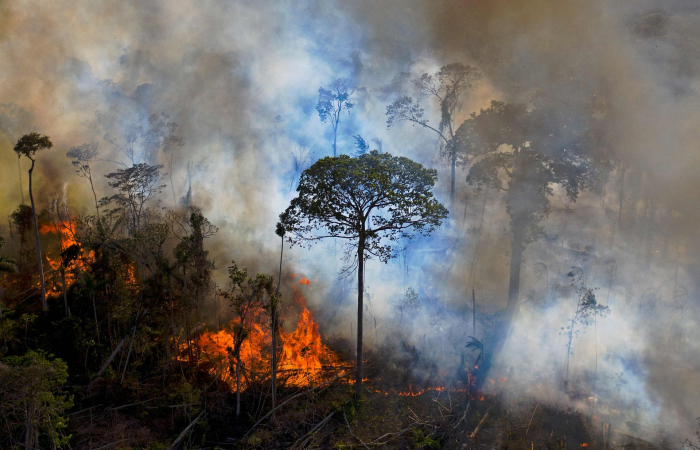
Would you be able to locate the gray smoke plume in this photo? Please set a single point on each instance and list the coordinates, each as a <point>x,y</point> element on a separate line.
<point>241,78</point>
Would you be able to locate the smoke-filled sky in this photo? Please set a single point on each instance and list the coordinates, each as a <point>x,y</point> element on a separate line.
<point>241,79</point>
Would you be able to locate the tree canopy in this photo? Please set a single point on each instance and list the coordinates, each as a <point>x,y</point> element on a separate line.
<point>370,201</point>
<point>31,143</point>
<point>377,197</point>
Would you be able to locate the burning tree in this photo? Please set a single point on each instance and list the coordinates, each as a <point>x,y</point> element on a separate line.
<point>370,202</point>
<point>27,146</point>
<point>247,295</point>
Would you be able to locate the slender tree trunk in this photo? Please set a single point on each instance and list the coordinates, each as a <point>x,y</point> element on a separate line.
<point>453,164</point>
<point>595,373</point>
<point>274,334</point>
<point>335,139</point>
<point>63,288</point>
<point>509,314</point>
<point>97,208</point>
<point>2,323</point>
<point>568,353</point>
<point>97,325</point>
<point>516,259</point>
<point>238,384</point>
<point>44,305</point>
<point>19,168</point>
<point>360,307</point>
<point>474,313</point>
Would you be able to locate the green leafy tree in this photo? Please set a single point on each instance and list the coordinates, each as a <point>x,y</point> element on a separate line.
<point>370,202</point>
<point>15,120</point>
<point>332,102</point>
<point>446,86</point>
<point>7,264</point>
<point>27,146</point>
<point>21,221</point>
<point>32,405</point>
<point>247,296</point>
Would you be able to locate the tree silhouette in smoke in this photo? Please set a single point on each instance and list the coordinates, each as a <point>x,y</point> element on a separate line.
<point>446,86</point>
<point>524,152</point>
<point>332,102</point>
<point>27,146</point>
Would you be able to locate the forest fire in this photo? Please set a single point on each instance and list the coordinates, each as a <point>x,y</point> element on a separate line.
<point>65,265</point>
<point>303,357</point>
<point>463,224</point>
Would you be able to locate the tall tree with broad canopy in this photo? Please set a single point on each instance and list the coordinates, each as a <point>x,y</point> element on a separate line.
<point>446,86</point>
<point>332,102</point>
<point>371,202</point>
<point>15,120</point>
<point>524,152</point>
<point>27,146</point>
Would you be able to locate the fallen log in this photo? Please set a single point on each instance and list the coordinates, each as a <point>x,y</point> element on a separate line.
<point>109,360</point>
<point>187,429</point>
<point>289,400</point>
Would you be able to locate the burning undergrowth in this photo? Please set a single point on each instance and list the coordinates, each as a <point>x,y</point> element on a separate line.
<point>303,358</point>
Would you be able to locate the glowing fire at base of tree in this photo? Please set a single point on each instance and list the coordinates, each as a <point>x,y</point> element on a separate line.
<point>303,357</point>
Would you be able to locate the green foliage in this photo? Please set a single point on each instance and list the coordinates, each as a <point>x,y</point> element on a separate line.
<point>367,200</point>
<point>31,143</point>
<point>421,441</point>
<point>7,264</point>
<point>246,294</point>
<point>32,405</point>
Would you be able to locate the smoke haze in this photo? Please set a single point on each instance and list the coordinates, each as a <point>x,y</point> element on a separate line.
<point>241,78</point>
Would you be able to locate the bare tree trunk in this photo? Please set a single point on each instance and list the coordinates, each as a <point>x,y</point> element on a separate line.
<point>44,304</point>
<point>474,313</point>
<point>19,168</point>
<point>335,134</point>
<point>97,326</point>
<point>2,326</point>
<point>238,384</point>
<point>516,259</point>
<point>63,288</point>
<point>360,298</point>
<point>453,164</point>
<point>274,334</point>
<point>97,208</point>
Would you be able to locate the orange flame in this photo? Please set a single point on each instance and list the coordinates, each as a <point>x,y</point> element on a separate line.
<point>66,235</point>
<point>302,359</point>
